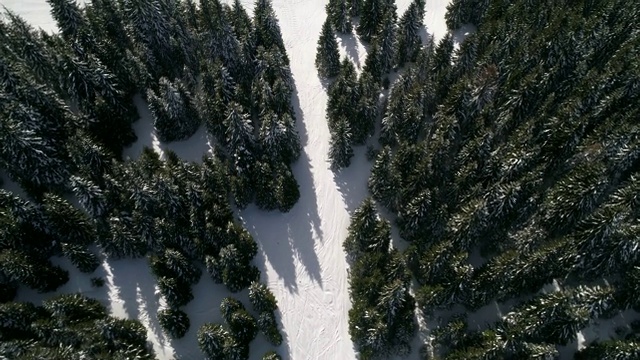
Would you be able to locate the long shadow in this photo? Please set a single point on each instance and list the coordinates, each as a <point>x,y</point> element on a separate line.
<point>134,285</point>
<point>352,181</point>
<point>350,44</point>
<point>282,238</point>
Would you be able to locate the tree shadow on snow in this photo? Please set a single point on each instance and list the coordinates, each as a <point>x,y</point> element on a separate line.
<point>132,286</point>
<point>350,44</point>
<point>352,181</point>
<point>285,237</point>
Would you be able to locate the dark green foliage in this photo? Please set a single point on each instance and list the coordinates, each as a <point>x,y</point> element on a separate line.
<point>80,257</point>
<point>339,15</point>
<point>69,327</point>
<point>327,55</point>
<point>372,13</point>
<point>271,355</point>
<point>340,150</point>
<point>609,350</point>
<point>174,322</point>
<point>177,292</point>
<point>269,327</point>
<point>174,264</point>
<point>407,38</point>
<point>232,265</point>
<point>262,298</point>
<point>213,340</point>
<point>174,113</point>
<point>381,321</point>
<point>242,326</point>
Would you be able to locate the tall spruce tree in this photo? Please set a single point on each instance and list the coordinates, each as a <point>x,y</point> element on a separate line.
<point>327,55</point>
<point>408,40</point>
<point>339,15</point>
<point>341,150</point>
<point>174,112</point>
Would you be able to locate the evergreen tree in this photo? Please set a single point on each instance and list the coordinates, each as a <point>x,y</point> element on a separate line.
<point>338,14</point>
<point>355,7</point>
<point>408,40</point>
<point>341,151</point>
<point>386,39</point>
<point>371,14</point>
<point>213,340</point>
<point>327,55</point>
<point>239,137</point>
<point>267,30</point>
<point>262,298</point>
<point>367,111</point>
<point>269,327</point>
<point>384,181</point>
<point>174,112</point>
<point>373,61</point>
<point>287,190</point>
<point>271,355</point>
<point>69,18</point>
<point>175,322</point>
<point>343,95</point>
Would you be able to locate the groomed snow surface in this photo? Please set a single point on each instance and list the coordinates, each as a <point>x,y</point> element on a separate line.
<point>300,253</point>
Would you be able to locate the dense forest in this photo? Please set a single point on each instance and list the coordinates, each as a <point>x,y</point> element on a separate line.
<point>508,162</point>
<point>67,106</point>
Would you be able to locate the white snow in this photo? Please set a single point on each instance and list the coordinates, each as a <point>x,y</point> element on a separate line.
<point>300,253</point>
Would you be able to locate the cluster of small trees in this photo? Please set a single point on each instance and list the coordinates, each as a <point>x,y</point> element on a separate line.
<point>69,327</point>
<point>353,107</point>
<point>381,320</point>
<point>232,341</point>
<point>510,162</point>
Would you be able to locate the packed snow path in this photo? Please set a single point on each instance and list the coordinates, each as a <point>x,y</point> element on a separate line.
<point>300,254</point>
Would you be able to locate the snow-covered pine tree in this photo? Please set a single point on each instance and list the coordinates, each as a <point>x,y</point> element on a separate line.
<point>262,298</point>
<point>371,15</point>
<point>384,183</point>
<point>173,263</point>
<point>286,186</point>
<point>367,111</point>
<point>408,40</point>
<point>373,61</point>
<point>242,326</point>
<point>239,138</point>
<point>240,20</point>
<point>339,15</point>
<point>387,38</point>
<point>69,18</point>
<point>269,327</point>
<point>151,26</point>
<point>327,55</point>
<point>174,112</point>
<point>213,340</point>
<point>81,257</point>
<point>343,94</point>
<point>174,322</point>
<point>267,30</point>
<point>271,355</point>
<point>176,292</point>
<point>264,185</point>
<point>355,7</point>
<point>89,195</point>
<point>341,150</point>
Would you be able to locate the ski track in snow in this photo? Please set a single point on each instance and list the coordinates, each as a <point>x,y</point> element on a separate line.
<point>300,253</point>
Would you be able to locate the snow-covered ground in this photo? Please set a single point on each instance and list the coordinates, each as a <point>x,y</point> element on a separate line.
<point>300,253</point>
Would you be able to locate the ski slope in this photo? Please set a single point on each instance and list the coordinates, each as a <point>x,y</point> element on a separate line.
<point>300,253</point>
